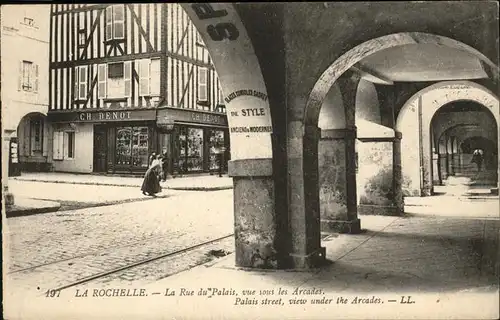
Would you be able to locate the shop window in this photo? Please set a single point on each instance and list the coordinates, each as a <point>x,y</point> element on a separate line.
<point>132,146</point>
<point>28,76</point>
<point>80,89</point>
<point>115,18</point>
<point>190,149</point>
<point>202,84</point>
<point>36,136</point>
<point>216,147</point>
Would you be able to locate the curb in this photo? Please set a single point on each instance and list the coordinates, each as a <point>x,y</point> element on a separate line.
<point>128,185</point>
<point>31,211</point>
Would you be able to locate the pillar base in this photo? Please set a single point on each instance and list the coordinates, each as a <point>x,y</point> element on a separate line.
<point>313,260</point>
<point>494,191</point>
<point>368,209</point>
<point>341,226</point>
<point>9,199</point>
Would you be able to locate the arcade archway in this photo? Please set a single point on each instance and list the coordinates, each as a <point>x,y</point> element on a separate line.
<point>414,122</point>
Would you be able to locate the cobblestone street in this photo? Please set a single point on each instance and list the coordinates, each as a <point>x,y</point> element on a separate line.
<point>52,250</point>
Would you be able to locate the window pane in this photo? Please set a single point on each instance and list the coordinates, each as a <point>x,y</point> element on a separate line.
<point>115,70</point>
<point>81,38</point>
<point>194,149</point>
<point>118,12</point>
<point>119,30</point>
<point>140,147</point>
<point>215,143</point>
<point>83,74</point>
<point>123,145</point>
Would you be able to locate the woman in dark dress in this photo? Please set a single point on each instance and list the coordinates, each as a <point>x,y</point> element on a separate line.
<point>151,184</point>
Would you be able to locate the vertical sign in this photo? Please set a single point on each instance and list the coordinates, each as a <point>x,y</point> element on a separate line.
<point>245,94</point>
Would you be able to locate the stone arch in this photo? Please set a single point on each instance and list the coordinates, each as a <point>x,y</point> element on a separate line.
<point>414,122</point>
<point>32,134</point>
<point>358,53</point>
<point>240,75</point>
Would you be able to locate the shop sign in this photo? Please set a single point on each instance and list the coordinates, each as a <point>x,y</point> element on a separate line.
<point>103,116</point>
<point>245,93</point>
<point>168,115</point>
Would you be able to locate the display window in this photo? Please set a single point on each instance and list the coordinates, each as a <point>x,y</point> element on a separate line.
<point>190,149</point>
<point>132,146</point>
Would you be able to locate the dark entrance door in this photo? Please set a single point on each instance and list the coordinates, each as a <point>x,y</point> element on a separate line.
<point>100,148</point>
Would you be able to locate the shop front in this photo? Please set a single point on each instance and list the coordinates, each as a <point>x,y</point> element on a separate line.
<point>194,141</point>
<point>107,141</point>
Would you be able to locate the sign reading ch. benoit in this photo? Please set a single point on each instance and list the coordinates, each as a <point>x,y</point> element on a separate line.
<point>245,93</point>
<point>103,116</point>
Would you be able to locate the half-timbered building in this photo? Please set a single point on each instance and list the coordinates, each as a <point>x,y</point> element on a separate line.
<point>127,80</point>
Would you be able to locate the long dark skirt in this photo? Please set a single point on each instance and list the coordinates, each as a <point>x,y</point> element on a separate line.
<point>151,184</point>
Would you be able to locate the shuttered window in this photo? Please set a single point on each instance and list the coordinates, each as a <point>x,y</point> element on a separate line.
<point>144,77</point>
<point>82,82</point>
<point>58,145</point>
<point>101,81</point>
<point>127,78</point>
<point>202,84</point>
<point>28,76</point>
<point>115,22</point>
<point>155,77</point>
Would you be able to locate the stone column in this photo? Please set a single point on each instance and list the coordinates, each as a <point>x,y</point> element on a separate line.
<point>8,198</point>
<point>255,228</point>
<point>302,147</point>
<point>337,169</point>
<point>451,168</point>
<point>379,176</point>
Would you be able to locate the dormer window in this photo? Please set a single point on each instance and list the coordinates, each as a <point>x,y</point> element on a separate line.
<point>115,22</point>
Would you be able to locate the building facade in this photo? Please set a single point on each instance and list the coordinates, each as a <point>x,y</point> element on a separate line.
<point>127,80</point>
<point>25,75</point>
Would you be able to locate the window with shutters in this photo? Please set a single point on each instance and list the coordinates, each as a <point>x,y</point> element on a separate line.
<point>63,145</point>
<point>127,78</point>
<point>28,76</point>
<point>81,74</point>
<point>144,77</point>
<point>101,81</point>
<point>115,70</point>
<point>155,77</point>
<point>115,22</point>
<point>202,84</point>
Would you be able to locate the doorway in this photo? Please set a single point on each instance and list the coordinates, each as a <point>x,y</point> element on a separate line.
<point>100,148</point>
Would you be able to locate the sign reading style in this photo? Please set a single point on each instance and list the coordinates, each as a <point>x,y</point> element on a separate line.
<point>247,105</point>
